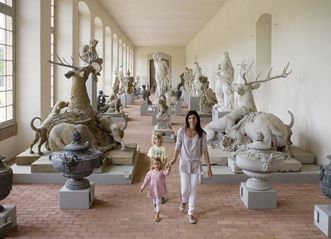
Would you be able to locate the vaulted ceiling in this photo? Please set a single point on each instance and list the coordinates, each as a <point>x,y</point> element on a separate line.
<point>161,22</point>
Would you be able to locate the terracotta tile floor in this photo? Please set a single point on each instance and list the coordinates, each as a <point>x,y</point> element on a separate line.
<point>122,211</point>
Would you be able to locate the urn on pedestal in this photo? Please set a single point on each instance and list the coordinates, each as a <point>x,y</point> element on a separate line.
<point>6,180</point>
<point>76,162</point>
<point>258,163</point>
<point>325,178</point>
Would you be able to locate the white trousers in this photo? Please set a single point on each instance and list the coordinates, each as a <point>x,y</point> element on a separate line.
<point>189,184</point>
<point>157,204</point>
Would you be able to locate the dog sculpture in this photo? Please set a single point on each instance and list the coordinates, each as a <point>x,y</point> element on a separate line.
<point>41,130</point>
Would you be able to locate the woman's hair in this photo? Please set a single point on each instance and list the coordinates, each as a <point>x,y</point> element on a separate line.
<point>156,136</point>
<point>197,126</point>
<point>156,159</point>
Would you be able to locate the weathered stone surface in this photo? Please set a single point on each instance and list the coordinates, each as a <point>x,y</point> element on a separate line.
<point>301,155</point>
<point>43,165</point>
<point>217,157</point>
<point>123,157</point>
<point>27,158</point>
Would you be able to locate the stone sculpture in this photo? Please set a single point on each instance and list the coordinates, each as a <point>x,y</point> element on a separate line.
<point>325,178</point>
<point>197,73</point>
<point>116,85</point>
<point>101,102</point>
<point>161,75</point>
<point>6,182</point>
<point>188,80</point>
<point>244,90</point>
<point>207,96</point>
<point>224,79</point>
<point>79,111</point>
<point>163,117</point>
<point>258,162</point>
<point>41,130</point>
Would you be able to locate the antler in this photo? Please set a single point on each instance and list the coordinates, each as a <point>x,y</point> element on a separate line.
<point>244,72</point>
<point>284,74</point>
<point>63,62</point>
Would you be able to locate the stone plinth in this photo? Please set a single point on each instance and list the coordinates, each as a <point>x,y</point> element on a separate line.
<point>116,117</point>
<point>216,113</point>
<point>178,108</point>
<point>168,135</point>
<point>217,157</point>
<point>122,157</point>
<point>8,216</point>
<point>301,155</point>
<point>129,99</point>
<point>123,100</point>
<point>146,109</point>
<point>322,218</point>
<point>26,158</point>
<point>43,165</point>
<point>258,199</point>
<point>77,199</point>
<point>186,97</point>
<point>194,103</point>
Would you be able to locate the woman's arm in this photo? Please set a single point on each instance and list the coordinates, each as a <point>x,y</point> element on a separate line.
<point>173,161</point>
<point>206,156</point>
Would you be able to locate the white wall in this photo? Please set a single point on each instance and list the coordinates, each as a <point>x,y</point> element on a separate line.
<point>177,61</point>
<point>301,36</point>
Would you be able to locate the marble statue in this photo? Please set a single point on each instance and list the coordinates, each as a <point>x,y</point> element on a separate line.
<point>245,88</point>
<point>116,85</point>
<point>162,117</point>
<point>122,80</point>
<point>114,104</point>
<point>207,96</point>
<point>224,79</point>
<point>197,73</point>
<point>161,75</point>
<point>188,80</point>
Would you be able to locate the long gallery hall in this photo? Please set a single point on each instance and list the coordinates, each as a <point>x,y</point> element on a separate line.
<point>122,211</point>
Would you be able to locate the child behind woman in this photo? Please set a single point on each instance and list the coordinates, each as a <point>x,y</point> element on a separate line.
<point>157,150</point>
<point>155,177</point>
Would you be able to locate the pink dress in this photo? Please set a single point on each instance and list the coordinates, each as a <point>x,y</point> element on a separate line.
<point>156,180</point>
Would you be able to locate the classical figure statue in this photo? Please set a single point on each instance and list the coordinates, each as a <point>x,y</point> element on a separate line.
<point>116,85</point>
<point>224,79</point>
<point>188,80</point>
<point>196,79</point>
<point>101,101</point>
<point>161,75</point>
<point>207,96</point>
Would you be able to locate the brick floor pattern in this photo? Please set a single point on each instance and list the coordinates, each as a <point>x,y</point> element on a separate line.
<point>122,211</point>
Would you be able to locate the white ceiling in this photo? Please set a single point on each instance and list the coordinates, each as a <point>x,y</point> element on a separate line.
<point>161,22</point>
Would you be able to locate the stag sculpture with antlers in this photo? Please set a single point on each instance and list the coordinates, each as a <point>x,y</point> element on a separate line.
<point>244,89</point>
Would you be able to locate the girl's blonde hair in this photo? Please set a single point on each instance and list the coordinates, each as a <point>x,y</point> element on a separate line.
<point>156,159</point>
<point>156,136</point>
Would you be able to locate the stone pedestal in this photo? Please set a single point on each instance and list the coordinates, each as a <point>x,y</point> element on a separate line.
<point>217,157</point>
<point>77,199</point>
<point>178,108</point>
<point>146,109</point>
<point>116,117</point>
<point>168,135</point>
<point>43,165</point>
<point>258,199</point>
<point>122,157</point>
<point>194,103</point>
<point>8,216</point>
<point>123,100</point>
<point>216,113</point>
<point>186,97</point>
<point>155,111</point>
<point>129,99</point>
<point>27,158</point>
<point>322,218</point>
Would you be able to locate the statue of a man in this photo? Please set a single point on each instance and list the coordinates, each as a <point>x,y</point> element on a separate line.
<point>224,79</point>
<point>161,75</point>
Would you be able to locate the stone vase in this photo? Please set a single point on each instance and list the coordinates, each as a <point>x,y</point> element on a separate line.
<point>78,160</point>
<point>258,163</point>
<point>6,180</point>
<point>325,178</point>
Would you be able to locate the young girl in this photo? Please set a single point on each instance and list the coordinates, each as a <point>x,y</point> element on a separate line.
<point>157,187</point>
<point>157,150</point>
